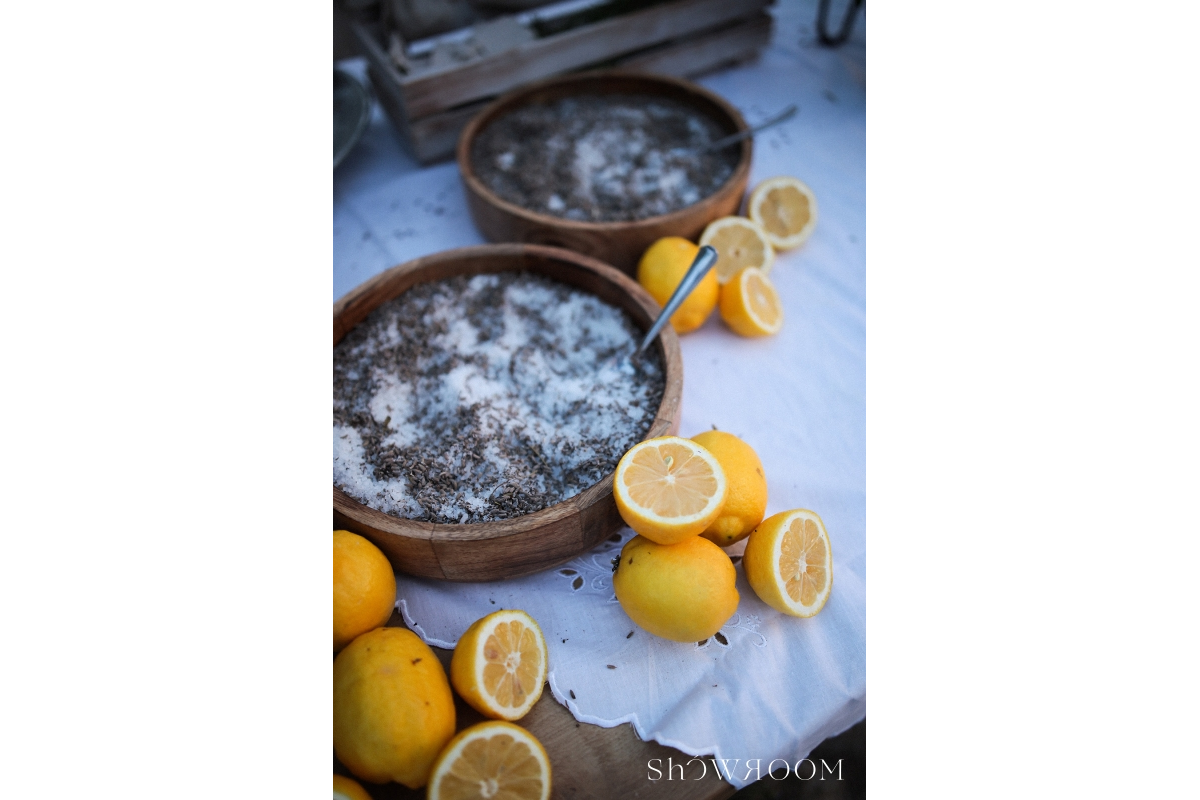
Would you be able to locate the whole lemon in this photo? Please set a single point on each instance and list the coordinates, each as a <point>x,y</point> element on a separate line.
<point>663,266</point>
<point>746,495</point>
<point>364,587</point>
<point>684,592</point>
<point>392,707</point>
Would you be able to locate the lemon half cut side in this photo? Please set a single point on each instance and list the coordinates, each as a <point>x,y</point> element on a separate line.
<point>492,760</point>
<point>669,488</point>
<point>740,243</point>
<point>750,305</point>
<point>789,563</point>
<point>499,664</point>
<point>786,209</point>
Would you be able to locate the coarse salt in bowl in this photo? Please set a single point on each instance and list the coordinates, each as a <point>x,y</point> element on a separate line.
<point>619,242</point>
<point>526,542</point>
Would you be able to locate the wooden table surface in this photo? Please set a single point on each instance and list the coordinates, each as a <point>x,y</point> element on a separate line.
<point>587,761</point>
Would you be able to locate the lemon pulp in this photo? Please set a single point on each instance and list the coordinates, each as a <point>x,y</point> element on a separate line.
<point>670,481</point>
<point>763,302</point>
<point>785,211</point>
<point>802,561</point>
<point>511,671</point>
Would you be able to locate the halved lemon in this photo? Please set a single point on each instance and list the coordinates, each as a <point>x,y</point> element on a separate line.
<point>750,305</point>
<point>739,243</point>
<point>346,789</point>
<point>499,664</point>
<point>492,760</point>
<point>669,488</point>
<point>789,563</point>
<point>786,209</point>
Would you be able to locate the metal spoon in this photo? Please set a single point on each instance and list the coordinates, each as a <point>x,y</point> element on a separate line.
<point>705,260</point>
<point>784,115</point>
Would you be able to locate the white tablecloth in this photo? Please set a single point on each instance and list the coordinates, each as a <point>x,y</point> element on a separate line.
<point>781,684</point>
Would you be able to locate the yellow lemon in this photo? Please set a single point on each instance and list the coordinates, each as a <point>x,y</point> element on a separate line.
<point>750,305</point>
<point>663,266</point>
<point>499,665</point>
<point>683,592</point>
<point>746,493</point>
<point>740,243</point>
<point>492,760</point>
<point>348,789</point>
<point>668,489</point>
<point>364,587</point>
<point>786,209</point>
<point>393,711</point>
<point>789,563</point>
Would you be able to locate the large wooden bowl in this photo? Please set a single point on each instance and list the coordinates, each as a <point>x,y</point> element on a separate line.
<point>618,243</point>
<point>490,551</point>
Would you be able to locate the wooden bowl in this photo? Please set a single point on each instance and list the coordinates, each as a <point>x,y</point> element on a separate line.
<point>489,551</point>
<point>618,243</point>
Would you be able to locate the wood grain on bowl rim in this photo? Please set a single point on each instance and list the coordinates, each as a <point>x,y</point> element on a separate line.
<point>530,543</point>
<point>618,243</point>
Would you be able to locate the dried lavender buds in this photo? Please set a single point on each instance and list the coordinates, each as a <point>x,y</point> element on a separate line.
<point>479,399</point>
<point>603,158</point>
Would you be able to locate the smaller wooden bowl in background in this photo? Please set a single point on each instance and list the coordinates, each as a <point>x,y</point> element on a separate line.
<point>618,243</point>
<point>489,551</point>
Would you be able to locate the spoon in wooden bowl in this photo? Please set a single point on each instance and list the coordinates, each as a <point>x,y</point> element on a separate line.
<point>705,260</point>
<point>782,116</point>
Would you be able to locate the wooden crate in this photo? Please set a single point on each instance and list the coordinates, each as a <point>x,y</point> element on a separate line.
<point>430,99</point>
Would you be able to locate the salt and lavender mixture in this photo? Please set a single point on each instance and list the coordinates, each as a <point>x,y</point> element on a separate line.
<point>603,158</point>
<point>480,399</point>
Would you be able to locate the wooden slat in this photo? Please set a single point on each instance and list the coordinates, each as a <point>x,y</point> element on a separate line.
<point>376,56</point>
<point>432,138</point>
<point>388,95</point>
<point>435,137</point>
<point>701,54</point>
<point>386,80</point>
<point>431,92</point>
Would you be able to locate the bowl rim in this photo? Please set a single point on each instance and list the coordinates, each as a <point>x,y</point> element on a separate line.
<point>514,99</point>
<point>667,414</point>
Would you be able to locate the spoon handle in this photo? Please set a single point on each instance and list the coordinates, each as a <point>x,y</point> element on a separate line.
<point>705,260</point>
<point>782,116</point>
